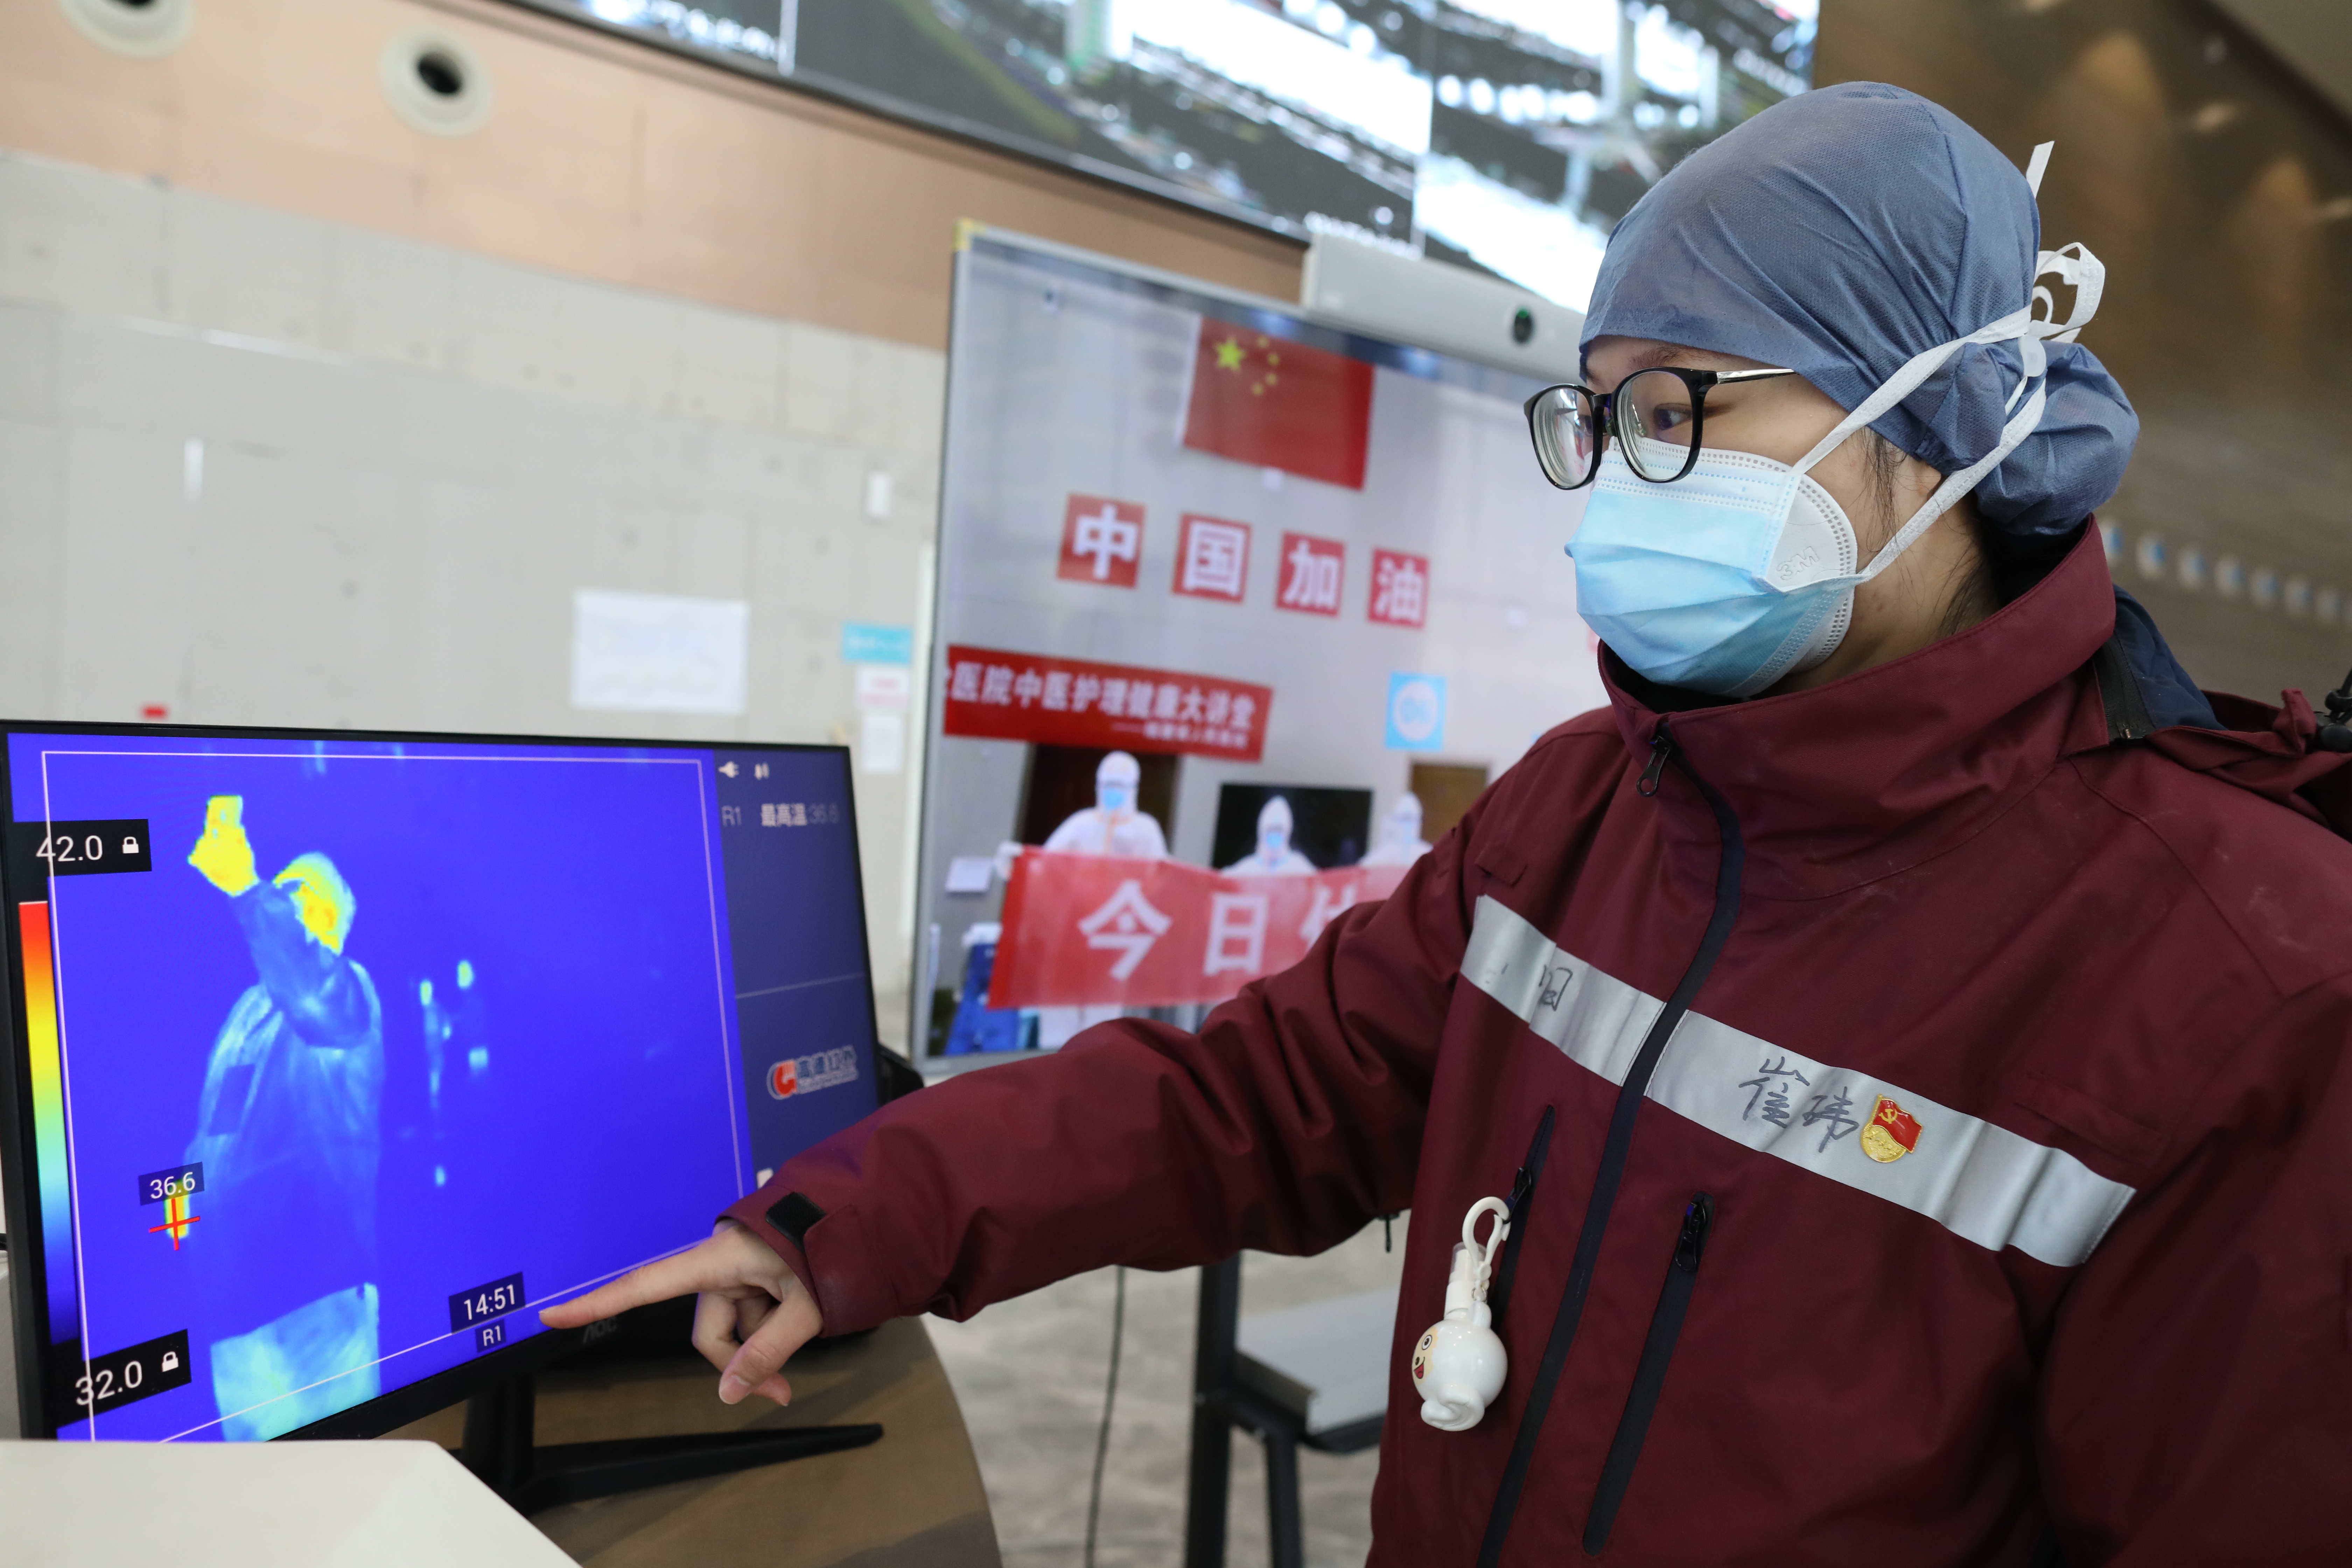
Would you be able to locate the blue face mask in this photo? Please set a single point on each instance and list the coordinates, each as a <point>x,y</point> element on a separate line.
<point>1114,798</point>
<point>1724,581</point>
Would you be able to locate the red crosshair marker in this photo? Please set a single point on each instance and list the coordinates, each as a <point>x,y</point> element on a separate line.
<point>176,1219</point>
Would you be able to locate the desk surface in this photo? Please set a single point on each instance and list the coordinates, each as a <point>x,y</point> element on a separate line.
<point>913,1500</point>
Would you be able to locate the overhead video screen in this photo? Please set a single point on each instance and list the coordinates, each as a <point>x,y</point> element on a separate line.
<point>1507,133</point>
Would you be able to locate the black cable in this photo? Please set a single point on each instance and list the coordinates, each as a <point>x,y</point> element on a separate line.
<point>1110,1395</point>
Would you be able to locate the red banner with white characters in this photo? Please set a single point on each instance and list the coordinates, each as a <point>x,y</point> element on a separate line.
<point>1001,696</point>
<point>1091,928</point>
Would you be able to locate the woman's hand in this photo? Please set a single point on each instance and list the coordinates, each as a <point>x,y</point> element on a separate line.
<point>749,1315</point>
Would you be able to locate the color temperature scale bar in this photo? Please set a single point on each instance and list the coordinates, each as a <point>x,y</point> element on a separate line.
<point>52,1172</point>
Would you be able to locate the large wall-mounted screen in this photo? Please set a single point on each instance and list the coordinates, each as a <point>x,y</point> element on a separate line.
<point>1507,133</point>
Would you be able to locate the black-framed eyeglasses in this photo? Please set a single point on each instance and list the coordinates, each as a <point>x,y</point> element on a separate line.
<point>1658,418</point>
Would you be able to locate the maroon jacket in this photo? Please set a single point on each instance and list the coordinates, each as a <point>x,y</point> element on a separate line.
<point>1963,1076</point>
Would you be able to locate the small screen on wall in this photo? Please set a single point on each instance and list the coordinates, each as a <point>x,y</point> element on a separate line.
<point>1510,134</point>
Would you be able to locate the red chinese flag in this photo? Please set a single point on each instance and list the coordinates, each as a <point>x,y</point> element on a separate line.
<point>1279,404</point>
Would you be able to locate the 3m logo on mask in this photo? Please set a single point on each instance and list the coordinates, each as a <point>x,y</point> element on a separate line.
<point>806,1075</point>
<point>1798,568</point>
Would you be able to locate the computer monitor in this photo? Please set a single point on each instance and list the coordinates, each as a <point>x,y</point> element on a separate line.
<point>334,1055</point>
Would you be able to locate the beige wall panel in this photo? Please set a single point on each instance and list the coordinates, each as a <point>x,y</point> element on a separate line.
<point>118,132</point>
<point>267,168</point>
<point>602,158</point>
<point>554,178</point>
<point>735,210</point>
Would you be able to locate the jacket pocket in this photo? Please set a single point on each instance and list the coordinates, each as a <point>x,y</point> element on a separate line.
<point>1650,1372</point>
<point>1523,1192</point>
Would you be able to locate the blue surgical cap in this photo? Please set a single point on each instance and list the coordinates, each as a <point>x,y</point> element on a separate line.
<point>1843,232</point>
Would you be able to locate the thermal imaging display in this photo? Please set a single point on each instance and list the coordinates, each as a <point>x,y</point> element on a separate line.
<point>340,1056</point>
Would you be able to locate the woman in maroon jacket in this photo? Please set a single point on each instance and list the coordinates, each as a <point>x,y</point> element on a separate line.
<point>1911,1020</point>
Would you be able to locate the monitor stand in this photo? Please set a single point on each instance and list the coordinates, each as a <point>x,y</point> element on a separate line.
<point>500,1450</point>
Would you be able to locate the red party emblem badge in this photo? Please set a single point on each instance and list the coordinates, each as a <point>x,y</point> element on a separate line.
<point>1891,1132</point>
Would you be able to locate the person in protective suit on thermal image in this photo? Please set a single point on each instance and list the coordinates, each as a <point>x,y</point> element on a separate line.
<point>288,1134</point>
<point>1907,1030</point>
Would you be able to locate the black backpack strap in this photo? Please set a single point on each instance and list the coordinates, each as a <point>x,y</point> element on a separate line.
<point>2119,690</point>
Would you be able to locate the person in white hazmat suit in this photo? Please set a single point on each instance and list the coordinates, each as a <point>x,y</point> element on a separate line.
<point>1401,841</point>
<point>1112,826</point>
<point>288,1134</point>
<point>1274,856</point>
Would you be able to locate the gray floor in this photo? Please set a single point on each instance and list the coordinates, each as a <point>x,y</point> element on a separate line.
<point>1029,1373</point>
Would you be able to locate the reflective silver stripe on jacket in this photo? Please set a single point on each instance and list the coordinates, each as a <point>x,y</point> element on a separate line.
<point>1978,1181</point>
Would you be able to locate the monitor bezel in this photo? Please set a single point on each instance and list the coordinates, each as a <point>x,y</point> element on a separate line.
<point>27,1256</point>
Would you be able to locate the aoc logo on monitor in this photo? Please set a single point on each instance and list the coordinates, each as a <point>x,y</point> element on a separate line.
<point>806,1075</point>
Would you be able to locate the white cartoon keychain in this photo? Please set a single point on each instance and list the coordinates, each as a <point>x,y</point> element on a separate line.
<point>1458,1366</point>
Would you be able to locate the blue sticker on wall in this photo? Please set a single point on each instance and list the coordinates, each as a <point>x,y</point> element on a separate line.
<point>863,643</point>
<point>1416,712</point>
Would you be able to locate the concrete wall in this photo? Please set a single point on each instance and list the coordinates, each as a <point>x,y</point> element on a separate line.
<point>258,468</point>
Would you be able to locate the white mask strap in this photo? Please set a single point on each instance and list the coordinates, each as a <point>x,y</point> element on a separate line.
<point>1955,486</point>
<point>1918,369</point>
<point>2078,266</point>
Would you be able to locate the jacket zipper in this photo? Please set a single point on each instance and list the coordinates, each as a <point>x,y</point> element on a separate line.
<point>1662,751</point>
<point>1619,1143</point>
<point>1523,1192</point>
<point>1649,1373</point>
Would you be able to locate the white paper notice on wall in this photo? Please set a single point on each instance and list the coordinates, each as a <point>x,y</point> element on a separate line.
<point>657,653</point>
<point>968,874</point>
<point>888,686</point>
<point>882,743</point>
